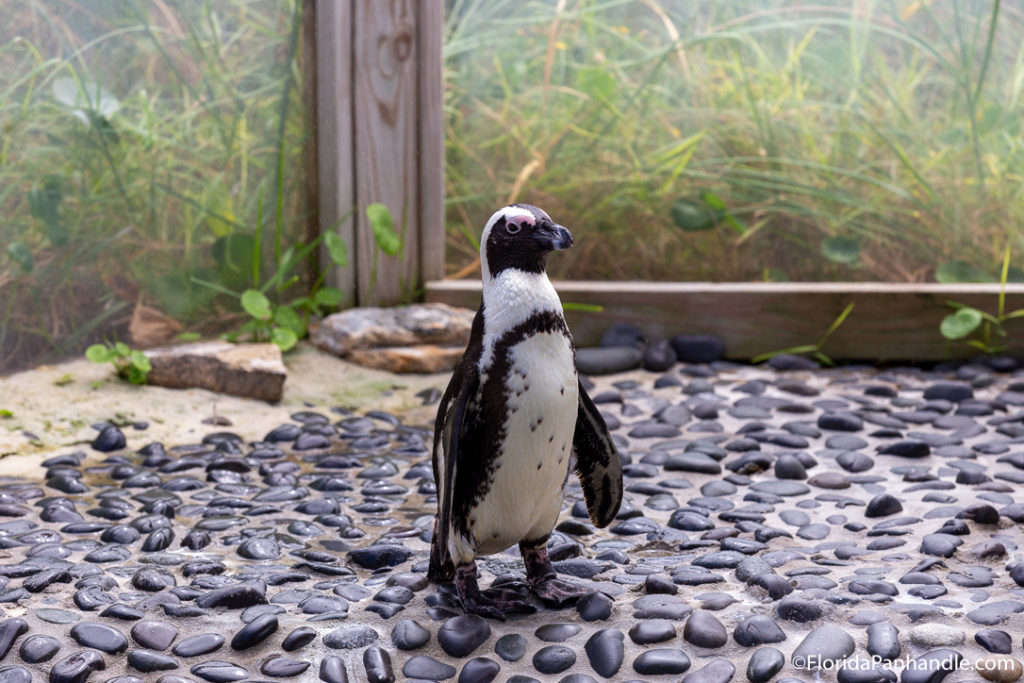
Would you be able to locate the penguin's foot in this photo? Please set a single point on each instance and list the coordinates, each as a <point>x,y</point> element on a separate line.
<point>495,603</point>
<point>545,583</point>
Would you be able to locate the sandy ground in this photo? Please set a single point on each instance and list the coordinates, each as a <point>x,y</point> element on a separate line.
<point>51,409</point>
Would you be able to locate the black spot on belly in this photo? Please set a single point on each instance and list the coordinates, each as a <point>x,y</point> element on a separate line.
<point>539,465</point>
<point>539,420</point>
<point>551,439</point>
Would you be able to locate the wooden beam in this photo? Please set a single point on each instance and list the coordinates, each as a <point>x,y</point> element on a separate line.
<point>334,133</point>
<point>431,139</point>
<point>889,322</point>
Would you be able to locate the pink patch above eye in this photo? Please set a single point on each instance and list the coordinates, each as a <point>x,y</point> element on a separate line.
<point>517,223</point>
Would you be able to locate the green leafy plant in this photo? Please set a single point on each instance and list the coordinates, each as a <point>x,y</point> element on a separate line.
<point>990,330</point>
<point>131,365</point>
<point>815,349</point>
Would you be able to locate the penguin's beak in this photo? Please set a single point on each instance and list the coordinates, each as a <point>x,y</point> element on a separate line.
<point>553,237</point>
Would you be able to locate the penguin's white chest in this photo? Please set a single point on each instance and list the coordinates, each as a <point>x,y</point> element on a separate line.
<point>543,400</point>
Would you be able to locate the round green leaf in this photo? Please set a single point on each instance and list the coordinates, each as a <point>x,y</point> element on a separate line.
<point>100,353</point>
<point>329,296</point>
<point>845,250</point>
<point>690,216</point>
<point>122,349</point>
<point>961,271</point>
<point>141,361</point>
<point>21,255</point>
<point>283,337</point>
<point>336,248</point>
<point>384,228</point>
<point>256,304</point>
<point>960,324</point>
<point>285,316</point>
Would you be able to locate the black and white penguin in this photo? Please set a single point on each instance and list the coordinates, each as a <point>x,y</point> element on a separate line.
<point>512,419</point>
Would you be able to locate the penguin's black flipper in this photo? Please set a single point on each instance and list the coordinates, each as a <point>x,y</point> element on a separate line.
<point>597,463</point>
<point>449,428</point>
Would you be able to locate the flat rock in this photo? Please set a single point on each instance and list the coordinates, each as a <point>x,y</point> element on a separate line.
<point>249,370</point>
<point>418,324</point>
<point>822,648</point>
<point>421,358</point>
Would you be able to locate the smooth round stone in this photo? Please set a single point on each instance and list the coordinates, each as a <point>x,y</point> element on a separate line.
<point>781,488</point>
<point>883,505</point>
<point>940,545</point>
<point>799,609</point>
<point>788,466</point>
<point>994,640</point>
<point>859,670</point>
<point>823,648</point>
<point>605,651</point>
<point>717,671</point>
<point>703,629</point>
<point>201,644</point>
<point>409,635</point>
<point>909,448</point>
<point>661,660</point>
<point>479,670</point>
<point>219,672</point>
<point>260,549</point>
<point>553,659</point>
<point>607,360</point>
<point>999,668</point>
<point>813,531</point>
<point>51,616</point>
<point>853,461</point>
<point>698,348</point>
<point>350,637</point>
<point>154,635</point>
<point>931,667</point>
<point>594,606</point>
<point>149,661</point>
<point>995,612</point>
<point>764,664</point>
<point>556,633</point>
<point>460,635</point>
<point>256,631</point>
<point>948,391</point>
<point>840,422</point>
<point>652,631</point>
<point>660,606</point>
<point>883,640</point>
<point>38,648</point>
<point>427,668</point>
<point>936,635</point>
<point>283,667</point>
<point>99,637</point>
<point>15,674</point>
<point>510,647</point>
<point>76,668</point>
<point>109,439</point>
<point>758,630</point>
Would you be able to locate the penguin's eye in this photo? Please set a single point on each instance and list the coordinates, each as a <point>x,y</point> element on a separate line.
<point>513,228</point>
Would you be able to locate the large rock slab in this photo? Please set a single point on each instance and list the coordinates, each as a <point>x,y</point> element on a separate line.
<point>249,370</point>
<point>423,358</point>
<point>367,328</point>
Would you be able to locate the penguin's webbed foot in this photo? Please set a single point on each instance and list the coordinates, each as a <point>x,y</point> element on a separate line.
<point>545,583</point>
<point>494,603</point>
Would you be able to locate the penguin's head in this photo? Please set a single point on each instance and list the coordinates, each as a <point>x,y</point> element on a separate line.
<point>520,236</point>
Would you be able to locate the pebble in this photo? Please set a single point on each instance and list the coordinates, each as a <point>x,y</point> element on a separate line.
<point>38,648</point>
<point>553,659</point>
<point>661,660</point>
<point>999,668</point>
<point>994,640</point>
<point>479,670</point>
<point>717,671</point>
<point>605,651</point>
<point>764,664</point>
<point>510,647</point>
<point>759,629</point>
<point>99,637</point>
<point>936,635</point>
<point>931,667</point>
<point>377,664</point>
<point>409,635</point>
<point>201,644</point>
<point>346,637</point>
<point>258,630</point>
<point>77,667</point>
<point>883,641</point>
<point>428,668</point>
<point>704,630</point>
<point>822,648</point>
<point>461,635</point>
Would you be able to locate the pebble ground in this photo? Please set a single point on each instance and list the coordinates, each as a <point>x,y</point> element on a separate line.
<point>774,522</point>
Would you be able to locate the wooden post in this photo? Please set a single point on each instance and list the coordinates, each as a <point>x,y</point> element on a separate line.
<point>380,95</point>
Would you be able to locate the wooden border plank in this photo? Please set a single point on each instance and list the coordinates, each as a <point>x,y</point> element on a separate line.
<point>334,133</point>
<point>430,25</point>
<point>890,322</point>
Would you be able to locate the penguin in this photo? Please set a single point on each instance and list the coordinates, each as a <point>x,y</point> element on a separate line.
<point>512,420</point>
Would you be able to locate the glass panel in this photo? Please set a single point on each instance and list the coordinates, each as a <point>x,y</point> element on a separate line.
<point>743,141</point>
<point>141,161</point>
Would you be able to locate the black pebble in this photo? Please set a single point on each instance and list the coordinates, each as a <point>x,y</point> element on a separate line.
<point>15,674</point>
<point>154,635</point>
<point>479,670</point>
<point>661,661</point>
<point>99,637</point>
<point>553,659</point>
<point>109,439</point>
<point>510,647</point>
<point>10,631</point>
<point>883,505</point>
<point>698,348</point>
<point>764,664</point>
<point>605,651</point>
<point>428,668</point>
<point>377,663</point>
<point>149,661</point>
<point>409,635</point>
<point>76,668</point>
<point>255,632</point>
<point>219,672</point>
<point>283,667</point>
<point>298,639</point>
<point>38,648</point>
<point>201,644</point>
<point>659,357</point>
<point>460,635</point>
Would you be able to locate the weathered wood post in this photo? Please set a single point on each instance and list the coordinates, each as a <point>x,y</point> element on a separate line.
<point>381,139</point>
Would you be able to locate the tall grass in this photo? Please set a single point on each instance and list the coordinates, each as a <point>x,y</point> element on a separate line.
<point>139,143</point>
<point>743,140</point>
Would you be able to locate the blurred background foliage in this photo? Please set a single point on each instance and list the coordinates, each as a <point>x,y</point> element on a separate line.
<point>745,140</point>
<point>153,154</point>
<point>141,144</point>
